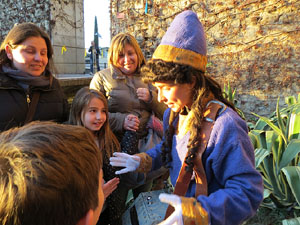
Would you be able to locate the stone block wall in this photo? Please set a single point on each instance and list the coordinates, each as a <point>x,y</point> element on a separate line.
<point>253,44</point>
<point>62,20</point>
<point>12,12</point>
<point>68,36</point>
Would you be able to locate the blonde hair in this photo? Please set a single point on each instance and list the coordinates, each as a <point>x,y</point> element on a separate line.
<point>107,140</point>
<point>49,174</point>
<point>117,47</point>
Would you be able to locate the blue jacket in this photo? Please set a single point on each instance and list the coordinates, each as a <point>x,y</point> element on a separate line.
<point>235,187</point>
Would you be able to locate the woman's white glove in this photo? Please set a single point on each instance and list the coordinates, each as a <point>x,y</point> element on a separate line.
<point>120,159</point>
<point>176,216</point>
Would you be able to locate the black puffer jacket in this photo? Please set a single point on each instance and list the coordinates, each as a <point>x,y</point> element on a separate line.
<point>52,104</point>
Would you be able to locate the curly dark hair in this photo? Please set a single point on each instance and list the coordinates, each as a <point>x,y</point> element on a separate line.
<point>160,71</point>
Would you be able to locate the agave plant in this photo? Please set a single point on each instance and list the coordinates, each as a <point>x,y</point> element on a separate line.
<point>277,145</point>
<point>229,94</point>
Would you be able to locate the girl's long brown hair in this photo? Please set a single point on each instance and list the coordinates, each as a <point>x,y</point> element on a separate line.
<point>161,71</point>
<point>107,140</point>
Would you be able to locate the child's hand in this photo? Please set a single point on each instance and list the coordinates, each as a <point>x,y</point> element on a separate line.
<point>131,122</point>
<point>110,186</point>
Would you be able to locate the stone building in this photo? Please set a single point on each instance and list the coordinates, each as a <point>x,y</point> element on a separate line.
<point>252,44</point>
<point>62,20</point>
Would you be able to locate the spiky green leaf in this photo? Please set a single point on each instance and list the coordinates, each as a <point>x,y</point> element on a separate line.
<point>260,154</point>
<point>292,150</point>
<point>253,139</point>
<point>292,174</point>
<point>273,126</point>
<point>233,94</point>
<point>279,119</point>
<point>294,126</point>
<point>229,91</point>
<point>267,193</point>
<point>293,221</point>
<point>273,176</point>
<point>291,100</point>
<point>289,197</point>
<point>272,143</point>
<point>260,125</point>
<point>261,139</point>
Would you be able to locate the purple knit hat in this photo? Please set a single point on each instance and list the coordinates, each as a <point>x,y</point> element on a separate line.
<point>184,42</point>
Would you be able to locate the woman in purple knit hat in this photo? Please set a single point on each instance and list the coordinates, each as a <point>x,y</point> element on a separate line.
<point>206,145</point>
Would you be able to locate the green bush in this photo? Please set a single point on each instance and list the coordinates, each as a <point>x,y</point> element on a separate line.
<point>276,141</point>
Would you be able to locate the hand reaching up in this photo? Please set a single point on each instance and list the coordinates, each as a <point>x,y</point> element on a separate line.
<point>110,186</point>
<point>129,162</point>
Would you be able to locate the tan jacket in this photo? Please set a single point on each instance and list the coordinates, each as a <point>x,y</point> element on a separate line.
<point>120,91</point>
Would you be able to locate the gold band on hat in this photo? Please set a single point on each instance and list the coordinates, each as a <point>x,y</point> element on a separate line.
<point>170,53</point>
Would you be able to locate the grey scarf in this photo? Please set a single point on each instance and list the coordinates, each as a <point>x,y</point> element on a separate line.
<point>25,79</point>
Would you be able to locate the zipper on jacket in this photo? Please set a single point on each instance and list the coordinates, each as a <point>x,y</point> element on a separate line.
<point>28,99</point>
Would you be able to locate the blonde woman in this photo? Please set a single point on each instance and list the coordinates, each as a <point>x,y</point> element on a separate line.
<point>131,102</point>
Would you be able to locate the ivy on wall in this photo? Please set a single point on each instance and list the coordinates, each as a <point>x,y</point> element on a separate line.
<point>253,44</point>
<point>36,11</point>
<point>61,19</point>
<point>44,13</point>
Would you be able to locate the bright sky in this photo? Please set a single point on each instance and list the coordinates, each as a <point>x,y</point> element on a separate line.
<point>99,8</point>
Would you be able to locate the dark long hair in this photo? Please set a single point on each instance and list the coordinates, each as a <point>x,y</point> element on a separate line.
<point>20,33</point>
<point>205,86</point>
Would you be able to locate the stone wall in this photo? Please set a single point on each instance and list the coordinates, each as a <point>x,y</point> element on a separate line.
<point>68,35</point>
<point>253,44</point>
<point>62,20</point>
<point>12,12</point>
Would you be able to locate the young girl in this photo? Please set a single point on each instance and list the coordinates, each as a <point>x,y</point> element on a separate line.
<point>131,101</point>
<point>89,109</point>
